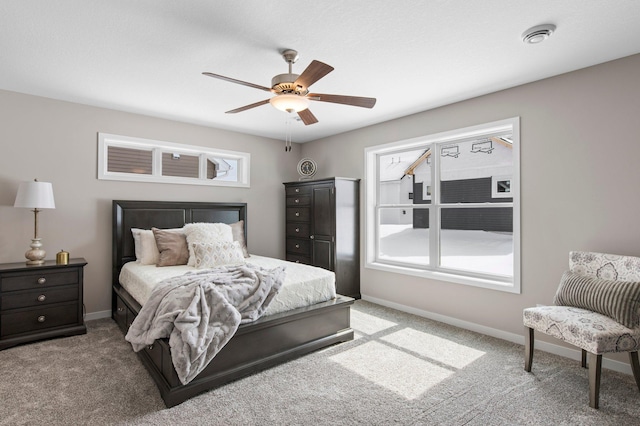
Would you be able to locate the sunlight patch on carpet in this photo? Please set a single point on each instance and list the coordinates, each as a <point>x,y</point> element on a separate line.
<point>369,324</point>
<point>393,369</point>
<point>437,348</point>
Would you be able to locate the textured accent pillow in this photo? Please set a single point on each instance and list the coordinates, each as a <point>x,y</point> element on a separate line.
<point>172,246</point>
<point>220,253</point>
<point>205,233</point>
<point>619,300</point>
<point>145,246</point>
<point>237,230</point>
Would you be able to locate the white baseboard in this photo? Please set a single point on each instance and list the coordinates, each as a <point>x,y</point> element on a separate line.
<point>500,334</point>
<point>97,315</point>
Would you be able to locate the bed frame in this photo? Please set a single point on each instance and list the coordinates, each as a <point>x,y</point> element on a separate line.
<point>269,341</point>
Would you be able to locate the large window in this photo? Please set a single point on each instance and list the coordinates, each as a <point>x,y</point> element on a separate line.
<point>135,159</point>
<point>446,206</point>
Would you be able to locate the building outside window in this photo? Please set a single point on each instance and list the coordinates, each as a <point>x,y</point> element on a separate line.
<point>446,206</point>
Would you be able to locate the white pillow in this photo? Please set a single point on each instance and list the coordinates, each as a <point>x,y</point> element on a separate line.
<point>147,252</point>
<point>205,233</point>
<point>219,253</point>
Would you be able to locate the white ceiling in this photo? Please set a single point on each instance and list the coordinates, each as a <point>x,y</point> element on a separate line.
<point>147,56</point>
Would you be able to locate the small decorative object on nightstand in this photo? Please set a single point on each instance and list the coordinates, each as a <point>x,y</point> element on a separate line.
<point>40,302</point>
<point>35,195</point>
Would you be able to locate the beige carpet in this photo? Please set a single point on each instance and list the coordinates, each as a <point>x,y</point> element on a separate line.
<point>400,369</point>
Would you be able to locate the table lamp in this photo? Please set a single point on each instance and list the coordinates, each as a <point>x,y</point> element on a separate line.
<point>35,195</point>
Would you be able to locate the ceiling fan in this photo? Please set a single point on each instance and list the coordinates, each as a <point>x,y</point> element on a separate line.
<point>292,90</point>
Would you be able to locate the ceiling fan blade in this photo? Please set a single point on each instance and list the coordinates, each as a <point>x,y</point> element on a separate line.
<point>307,117</point>
<point>246,107</point>
<point>314,72</point>
<point>342,99</point>
<point>233,80</point>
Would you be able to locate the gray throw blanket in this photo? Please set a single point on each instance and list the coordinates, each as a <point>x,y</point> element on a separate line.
<point>199,312</point>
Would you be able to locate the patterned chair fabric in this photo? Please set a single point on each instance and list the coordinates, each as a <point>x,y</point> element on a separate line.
<point>592,332</point>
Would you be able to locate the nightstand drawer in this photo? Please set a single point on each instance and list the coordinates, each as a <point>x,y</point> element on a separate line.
<point>45,278</point>
<point>45,296</point>
<point>38,319</point>
<point>295,214</point>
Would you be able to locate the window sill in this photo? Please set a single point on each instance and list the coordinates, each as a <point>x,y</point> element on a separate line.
<point>509,287</point>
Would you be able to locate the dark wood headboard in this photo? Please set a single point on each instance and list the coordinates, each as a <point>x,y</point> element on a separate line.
<point>163,214</point>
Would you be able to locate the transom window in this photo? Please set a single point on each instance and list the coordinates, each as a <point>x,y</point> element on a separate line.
<point>446,206</point>
<point>135,159</point>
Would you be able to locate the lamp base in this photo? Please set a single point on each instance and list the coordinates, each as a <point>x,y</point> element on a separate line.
<point>36,254</point>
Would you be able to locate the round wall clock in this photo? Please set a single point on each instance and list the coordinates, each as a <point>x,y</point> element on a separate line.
<point>307,168</point>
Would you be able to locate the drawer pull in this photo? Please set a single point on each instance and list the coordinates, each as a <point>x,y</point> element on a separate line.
<point>150,347</point>
<point>120,309</point>
<point>312,237</point>
<point>41,318</point>
<point>297,201</point>
<point>297,229</point>
<point>297,214</point>
<point>42,280</point>
<point>297,261</point>
<point>297,245</point>
<point>42,298</point>
<point>297,189</point>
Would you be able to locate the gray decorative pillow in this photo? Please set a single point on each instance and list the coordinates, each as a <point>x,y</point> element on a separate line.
<point>619,300</point>
<point>172,246</point>
<point>237,229</point>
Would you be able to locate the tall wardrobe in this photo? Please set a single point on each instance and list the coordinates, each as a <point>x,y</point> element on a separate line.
<point>323,228</point>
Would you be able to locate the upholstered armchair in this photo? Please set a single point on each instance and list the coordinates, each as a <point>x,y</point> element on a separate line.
<point>596,309</point>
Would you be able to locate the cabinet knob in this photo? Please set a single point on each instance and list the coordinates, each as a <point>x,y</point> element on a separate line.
<point>297,189</point>
<point>42,280</point>
<point>42,298</point>
<point>297,201</point>
<point>297,214</point>
<point>150,347</point>
<point>120,309</point>
<point>297,229</point>
<point>41,318</point>
<point>312,237</point>
<point>297,261</point>
<point>297,245</point>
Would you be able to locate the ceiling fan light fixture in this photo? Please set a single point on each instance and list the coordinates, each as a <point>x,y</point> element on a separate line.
<point>289,102</point>
<point>538,34</point>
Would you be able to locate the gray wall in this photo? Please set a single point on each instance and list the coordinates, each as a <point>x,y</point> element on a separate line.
<point>580,151</point>
<point>56,141</point>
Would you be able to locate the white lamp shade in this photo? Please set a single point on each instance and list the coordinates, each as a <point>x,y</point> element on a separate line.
<point>289,102</point>
<point>35,195</point>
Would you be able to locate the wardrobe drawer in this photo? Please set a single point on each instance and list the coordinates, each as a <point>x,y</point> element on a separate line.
<point>298,259</point>
<point>298,214</point>
<point>297,190</point>
<point>45,296</point>
<point>298,246</point>
<point>38,319</point>
<point>298,230</point>
<point>298,201</point>
<point>45,278</point>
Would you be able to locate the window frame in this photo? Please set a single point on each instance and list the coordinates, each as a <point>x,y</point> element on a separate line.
<point>106,140</point>
<point>434,271</point>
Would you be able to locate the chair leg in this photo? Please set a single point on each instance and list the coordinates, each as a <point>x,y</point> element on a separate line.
<point>528,348</point>
<point>635,367</point>
<point>595,368</point>
<point>584,359</point>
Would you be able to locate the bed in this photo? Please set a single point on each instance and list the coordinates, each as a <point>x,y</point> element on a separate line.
<point>271,340</point>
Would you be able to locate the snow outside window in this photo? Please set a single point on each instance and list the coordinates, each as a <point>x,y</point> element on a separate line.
<point>446,206</point>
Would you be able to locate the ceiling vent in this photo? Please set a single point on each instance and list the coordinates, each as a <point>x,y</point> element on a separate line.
<point>538,34</point>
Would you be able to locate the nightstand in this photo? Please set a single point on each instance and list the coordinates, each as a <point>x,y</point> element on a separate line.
<point>40,302</point>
